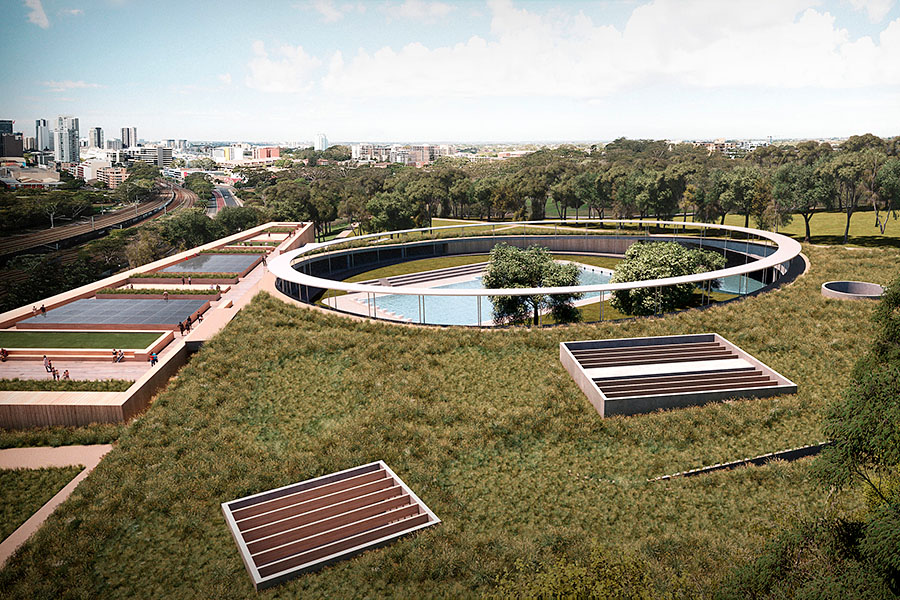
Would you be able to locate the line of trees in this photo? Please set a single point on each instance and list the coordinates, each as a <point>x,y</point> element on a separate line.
<point>623,179</point>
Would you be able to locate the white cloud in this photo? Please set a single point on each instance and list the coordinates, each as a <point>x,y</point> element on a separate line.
<point>330,13</point>
<point>62,86</point>
<point>225,78</point>
<point>72,12</point>
<point>876,9</point>
<point>419,10</point>
<point>37,14</point>
<point>291,71</point>
<point>700,43</point>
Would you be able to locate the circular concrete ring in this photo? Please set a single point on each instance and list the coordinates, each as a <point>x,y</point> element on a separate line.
<point>852,290</point>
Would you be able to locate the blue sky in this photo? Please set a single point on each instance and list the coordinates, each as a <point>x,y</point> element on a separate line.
<point>472,70</point>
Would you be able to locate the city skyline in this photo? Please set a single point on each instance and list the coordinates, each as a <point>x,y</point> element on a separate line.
<point>458,71</point>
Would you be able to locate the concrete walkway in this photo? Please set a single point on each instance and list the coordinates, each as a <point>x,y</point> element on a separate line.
<point>38,458</point>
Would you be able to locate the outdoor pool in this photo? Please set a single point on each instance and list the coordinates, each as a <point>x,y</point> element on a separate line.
<point>460,310</point>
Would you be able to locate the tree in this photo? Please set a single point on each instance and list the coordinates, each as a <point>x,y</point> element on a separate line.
<point>739,194</point>
<point>200,184</point>
<point>207,164</point>
<point>233,219</point>
<point>658,260</point>
<point>848,169</point>
<point>887,193</point>
<point>390,211</point>
<point>189,228</point>
<point>804,189</point>
<point>511,267</point>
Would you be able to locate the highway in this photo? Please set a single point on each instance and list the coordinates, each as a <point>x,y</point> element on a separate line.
<point>222,196</point>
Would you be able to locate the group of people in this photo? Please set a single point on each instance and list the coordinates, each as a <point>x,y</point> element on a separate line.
<point>54,372</point>
<point>186,325</point>
<point>118,355</point>
<point>3,354</point>
<point>42,311</point>
<point>153,358</point>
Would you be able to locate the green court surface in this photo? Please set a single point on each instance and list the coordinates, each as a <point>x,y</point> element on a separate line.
<point>76,339</point>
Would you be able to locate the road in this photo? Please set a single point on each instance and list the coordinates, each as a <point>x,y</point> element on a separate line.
<point>222,196</point>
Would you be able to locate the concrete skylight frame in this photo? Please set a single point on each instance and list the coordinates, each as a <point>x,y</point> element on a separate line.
<point>361,490</point>
<point>709,369</point>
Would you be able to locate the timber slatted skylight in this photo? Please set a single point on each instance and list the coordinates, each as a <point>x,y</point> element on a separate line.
<point>639,375</point>
<point>301,527</point>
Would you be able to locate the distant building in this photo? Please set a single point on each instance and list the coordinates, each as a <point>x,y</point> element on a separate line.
<point>114,144</point>
<point>266,152</point>
<point>129,137</point>
<point>6,126</point>
<point>95,137</point>
<point>222,154</point>
<point>88,170</point>
<point>19,177</point>
<point>11,144</point>
<point>113,177</point>
<point>66,147</point>
<point>321,142</point>
<point>161,157</point>
<point>30,143</point>
<point>42,136</point>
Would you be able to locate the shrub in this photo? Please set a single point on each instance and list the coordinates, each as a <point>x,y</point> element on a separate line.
<point>657,260</point>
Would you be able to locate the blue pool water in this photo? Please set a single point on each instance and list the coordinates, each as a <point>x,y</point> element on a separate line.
<point>461,310</point>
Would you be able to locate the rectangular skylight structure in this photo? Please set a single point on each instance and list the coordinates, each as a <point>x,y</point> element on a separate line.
<point>639,375</point>
<point>305,526</point>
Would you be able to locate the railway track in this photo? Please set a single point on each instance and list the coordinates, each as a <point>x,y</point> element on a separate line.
<point>173,199</point>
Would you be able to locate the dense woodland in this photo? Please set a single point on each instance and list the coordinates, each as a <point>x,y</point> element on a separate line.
<point>624,179</point>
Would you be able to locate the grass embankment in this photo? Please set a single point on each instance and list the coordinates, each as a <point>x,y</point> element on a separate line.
<point>72,385</point>
<point>95,433</point>
<point>23,491</point>
<point>486,427</point>
<point>76,339</point>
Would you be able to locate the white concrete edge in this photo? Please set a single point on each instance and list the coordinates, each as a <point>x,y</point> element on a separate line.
<point>788,249</point>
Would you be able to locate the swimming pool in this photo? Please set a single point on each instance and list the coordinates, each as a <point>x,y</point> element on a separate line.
<point>460,310</point>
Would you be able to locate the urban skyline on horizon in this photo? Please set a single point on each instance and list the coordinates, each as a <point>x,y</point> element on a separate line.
<point>415,69</point>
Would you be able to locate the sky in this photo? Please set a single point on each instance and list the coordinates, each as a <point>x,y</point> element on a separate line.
<point>454,70</point>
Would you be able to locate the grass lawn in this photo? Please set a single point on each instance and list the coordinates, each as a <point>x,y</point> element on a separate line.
<point>72,385</point>
<point>23,491</point>
<point>485,426</point>
<point>828,228</point>
<point>75,339</point>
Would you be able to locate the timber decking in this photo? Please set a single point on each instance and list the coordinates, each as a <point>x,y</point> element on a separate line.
<point>305,526</point>
<point>637,375</point>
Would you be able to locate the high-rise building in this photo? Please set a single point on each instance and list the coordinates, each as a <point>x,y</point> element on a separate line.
<point>42,137</point>
<point>11,145</point>
<point>30,143</point>
<point>321,142</point>
<point>114,144</point>
<point>66,146</point>
<point>6,126</point>
<point>129,137</point>
<point>95,137</point>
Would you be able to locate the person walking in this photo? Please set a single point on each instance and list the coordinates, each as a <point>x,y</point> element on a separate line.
<point>187,323</point>
<point>43,311</point>
<point>264,260</point>
<point>182,281</point>
<point>189,280</point>
<point>46,363</point>
<point>181,328</point>
<point>34,311</point>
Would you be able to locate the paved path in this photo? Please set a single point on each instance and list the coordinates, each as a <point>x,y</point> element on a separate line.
<point>36,458</point>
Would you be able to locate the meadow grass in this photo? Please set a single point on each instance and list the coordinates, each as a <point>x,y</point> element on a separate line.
<point>23,491</point>
<point>828,228</point>
<point>95,433</point>
<point>63,385</point>
<point>76,339</point>
<point>485,426</point>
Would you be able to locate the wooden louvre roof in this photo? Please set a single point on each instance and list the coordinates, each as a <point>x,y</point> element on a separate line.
<point>305,526</point>
<point>638,375</point>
